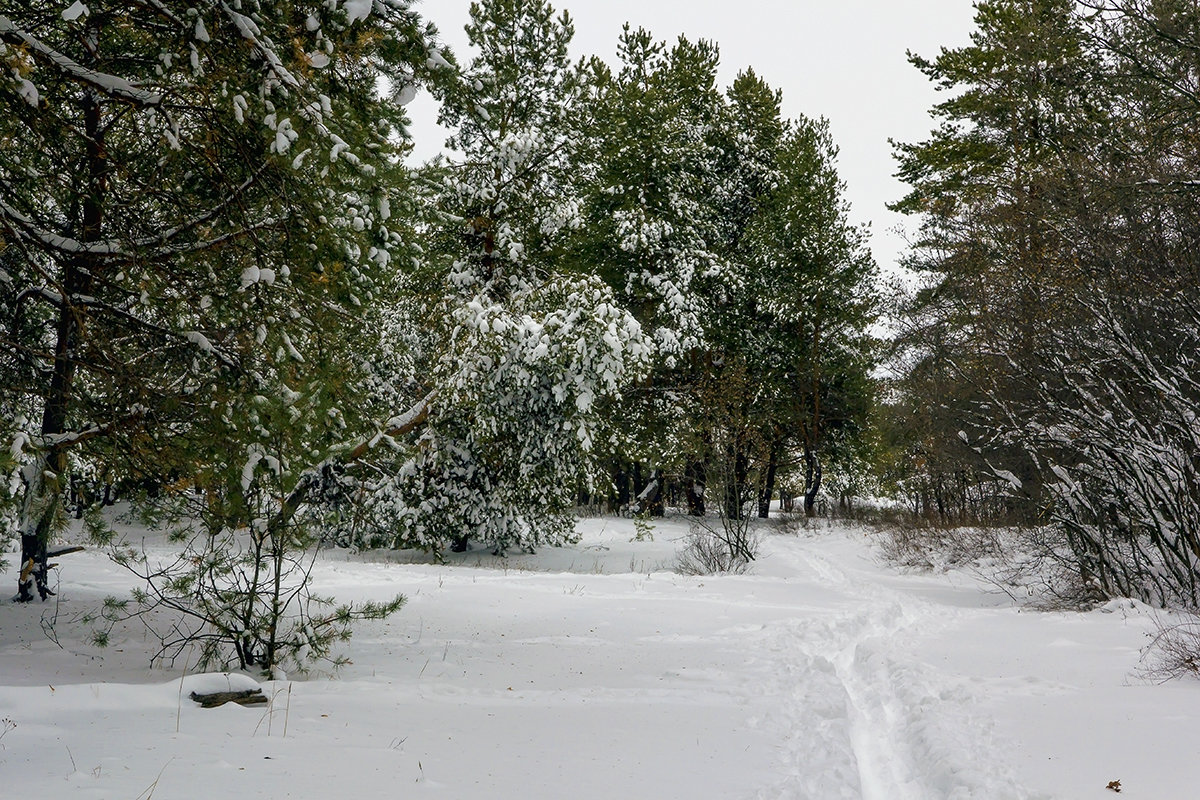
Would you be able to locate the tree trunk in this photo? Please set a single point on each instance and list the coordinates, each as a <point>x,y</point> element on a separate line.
<point>768,486</point>
<point>37,513</point>
<point>43,497</point>
<point>658,505</point>
<point>812,481</point>
<point>811,429</point>
<point>737,469</point>
<point>695,480</point>
<point>649,497</point>
<point>620,478</point>
<point>637,487</point>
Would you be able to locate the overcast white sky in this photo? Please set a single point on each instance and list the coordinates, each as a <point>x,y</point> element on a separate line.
<point>842,59</point>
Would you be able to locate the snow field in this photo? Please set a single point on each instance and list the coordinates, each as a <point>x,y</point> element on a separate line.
<point>592,672</point>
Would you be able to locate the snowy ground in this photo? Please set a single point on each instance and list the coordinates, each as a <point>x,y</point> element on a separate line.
<point>595,672</point>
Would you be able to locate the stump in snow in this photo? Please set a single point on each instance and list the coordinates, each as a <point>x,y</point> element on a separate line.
<point>251,697</point>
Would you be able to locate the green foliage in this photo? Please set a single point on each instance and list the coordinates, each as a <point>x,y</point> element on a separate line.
<point>97,528</point>
<point>520,348</point>
<point>195,205</point>
<point>721,226</point>
<point>1053,338</point>
<point>519,390</point>
<point>243,592</point>
<point>227,288</point>
<point>508,195</point>
<point>643,528</point>
<point>991,186</point>
<point>648,230</point>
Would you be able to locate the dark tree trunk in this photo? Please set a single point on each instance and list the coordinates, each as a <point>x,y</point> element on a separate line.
<point>44,492</point>
<point>735,486</point>
<point>811,430</point>
<point>621,495</point>
<point>768,485</point>
<point>812,481</point>
<point>672,493</point>
<point>636,488</point>
<point>695,479</point>
<point>34,568</point>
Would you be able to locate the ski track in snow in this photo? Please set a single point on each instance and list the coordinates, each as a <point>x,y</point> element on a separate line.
<point>861,720</point>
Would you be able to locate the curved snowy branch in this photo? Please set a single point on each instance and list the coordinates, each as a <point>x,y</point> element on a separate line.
<point>110,85</point>
<point>399,425</point>
<point>26,228</point>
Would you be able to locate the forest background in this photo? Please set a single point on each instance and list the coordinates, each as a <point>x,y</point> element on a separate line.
<point>229,299</point>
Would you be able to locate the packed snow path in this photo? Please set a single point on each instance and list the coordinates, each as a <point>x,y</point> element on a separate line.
<point>866,718</point>
<point>594,673</point>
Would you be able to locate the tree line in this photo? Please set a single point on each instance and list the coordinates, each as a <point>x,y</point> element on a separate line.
<point>1047,362</point>
<point>225,291</point>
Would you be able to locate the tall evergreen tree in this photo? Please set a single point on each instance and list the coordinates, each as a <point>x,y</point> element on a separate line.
<point>748,140</point>
<point>798,298</point>
<point>649,227</point>
<point>649,230</point>
<point>193,197</point>
<point>1074,322</point>
<point>516,115</point>
<point>991,185</point>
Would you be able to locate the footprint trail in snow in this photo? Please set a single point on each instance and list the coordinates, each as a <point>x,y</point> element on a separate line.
<point>861,716</point>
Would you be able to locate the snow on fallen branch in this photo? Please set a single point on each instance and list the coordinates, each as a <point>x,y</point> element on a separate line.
<point>646,497</point>
<point>249,697</point>
<point>399,425</point>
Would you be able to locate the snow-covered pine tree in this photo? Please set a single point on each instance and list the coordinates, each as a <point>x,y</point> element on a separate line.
<point>512,426</point>
<point>508,191</point>
<point>520,351</point>
<point>1059,332</point>
<point>194,200</point>
<point>791,297</point>
<point>650,231</point>
<point>737,437</point>
<point>810,299</point>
